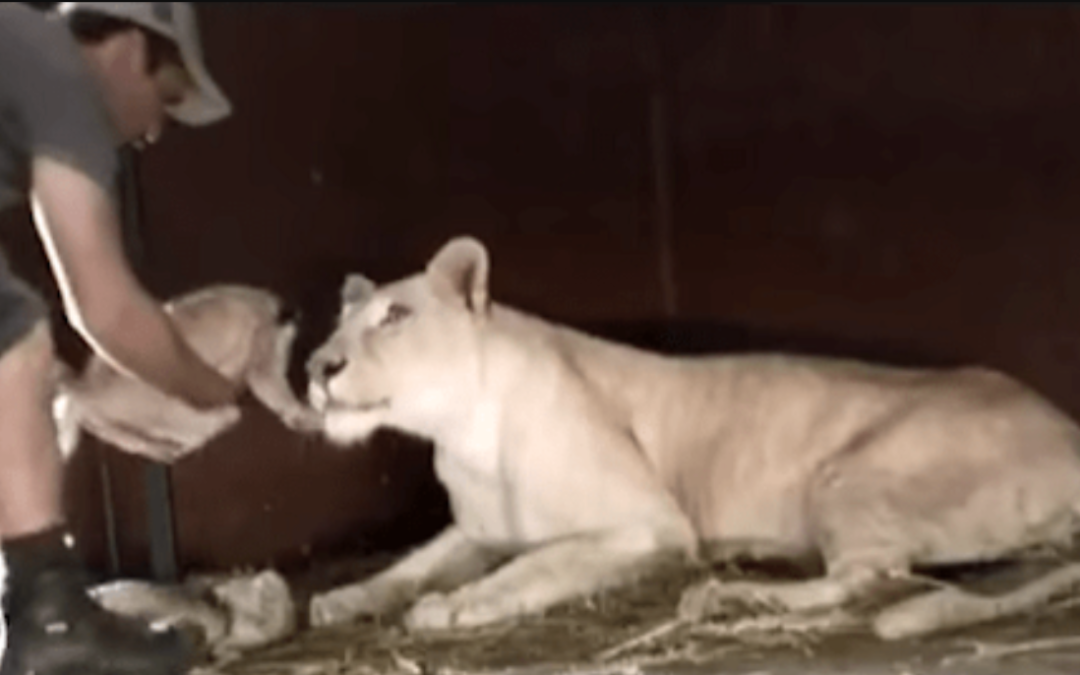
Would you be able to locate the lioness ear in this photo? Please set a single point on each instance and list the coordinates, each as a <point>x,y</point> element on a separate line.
<point>356,289</point>
<point>459,272</point>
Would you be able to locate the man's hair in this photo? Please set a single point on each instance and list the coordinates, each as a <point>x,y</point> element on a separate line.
<point>92,28</point>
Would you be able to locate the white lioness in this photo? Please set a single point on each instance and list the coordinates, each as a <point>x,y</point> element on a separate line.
<point>573,463</point>
<point>239,330</point>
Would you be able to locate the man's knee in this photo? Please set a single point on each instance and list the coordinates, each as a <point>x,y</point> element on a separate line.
<point>25,338</point>
<point>31,357</point>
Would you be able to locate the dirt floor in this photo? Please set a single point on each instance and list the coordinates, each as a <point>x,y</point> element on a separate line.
<point>631,631</point>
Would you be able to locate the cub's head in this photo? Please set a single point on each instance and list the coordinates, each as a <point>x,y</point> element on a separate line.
<point>405,354</point>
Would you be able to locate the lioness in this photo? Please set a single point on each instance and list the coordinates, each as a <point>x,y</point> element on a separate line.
<point>581,463</point>
<point>241,331</point>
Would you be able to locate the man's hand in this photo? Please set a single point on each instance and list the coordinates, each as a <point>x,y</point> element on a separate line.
<point>177,429</point>
<point>105,303</point>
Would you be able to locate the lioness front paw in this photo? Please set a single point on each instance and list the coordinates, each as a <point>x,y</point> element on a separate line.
<point>436,611</point>
<point>346,604</point>
<point>328,610</point>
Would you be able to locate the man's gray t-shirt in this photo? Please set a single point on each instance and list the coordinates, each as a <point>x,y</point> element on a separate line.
<point>49,105</point>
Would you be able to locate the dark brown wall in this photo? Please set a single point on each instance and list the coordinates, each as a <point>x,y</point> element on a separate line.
<point>890,180</point>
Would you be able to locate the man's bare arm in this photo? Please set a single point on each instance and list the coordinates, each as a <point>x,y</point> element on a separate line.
<point>105,303</point>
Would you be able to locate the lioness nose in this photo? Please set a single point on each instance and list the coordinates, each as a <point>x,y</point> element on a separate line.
<point>323,369</point>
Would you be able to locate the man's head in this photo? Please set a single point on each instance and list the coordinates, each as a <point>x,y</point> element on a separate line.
<point>148,60</point>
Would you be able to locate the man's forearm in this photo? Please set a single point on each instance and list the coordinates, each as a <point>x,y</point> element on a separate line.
<point>142,341</point>
<point>80,230</point>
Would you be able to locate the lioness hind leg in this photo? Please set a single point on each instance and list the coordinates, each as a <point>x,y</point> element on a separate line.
<point>872,518</point>
<point>713,598</point>
<point>952,608</point>
<point>865,536</point>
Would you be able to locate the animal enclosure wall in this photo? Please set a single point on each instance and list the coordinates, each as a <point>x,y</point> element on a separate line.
<point>894,181</point>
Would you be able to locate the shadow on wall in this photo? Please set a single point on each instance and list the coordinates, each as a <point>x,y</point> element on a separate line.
<point>705,336</point>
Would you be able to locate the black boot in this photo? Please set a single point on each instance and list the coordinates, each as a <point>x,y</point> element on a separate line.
<point>55,628</point>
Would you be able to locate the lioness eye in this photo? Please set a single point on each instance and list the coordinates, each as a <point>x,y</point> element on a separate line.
<point>395,313</point>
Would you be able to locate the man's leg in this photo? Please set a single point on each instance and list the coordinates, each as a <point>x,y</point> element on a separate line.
<point>30,483</point>
<point>54,627</point>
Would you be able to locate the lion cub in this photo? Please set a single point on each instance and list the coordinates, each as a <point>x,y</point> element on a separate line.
<point>575,464</point>
<point>243,332</point>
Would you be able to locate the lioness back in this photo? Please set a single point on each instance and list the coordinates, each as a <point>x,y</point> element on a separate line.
<point>738,438</point>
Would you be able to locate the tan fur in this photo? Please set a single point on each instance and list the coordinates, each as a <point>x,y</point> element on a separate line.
<point>235,329</point>
<point>580,463</point>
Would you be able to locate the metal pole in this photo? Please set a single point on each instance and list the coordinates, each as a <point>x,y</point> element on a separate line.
<point>110,515</point>
<point>156,478</point>
<point>650,53</point>
<point>663,215</point>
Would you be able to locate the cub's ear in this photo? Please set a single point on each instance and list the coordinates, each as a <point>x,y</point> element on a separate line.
<point>459,273</point>
<point>356,289</point>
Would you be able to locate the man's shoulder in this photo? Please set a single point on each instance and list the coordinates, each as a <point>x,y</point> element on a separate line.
<point>49,102</point>
<point>29,39</point>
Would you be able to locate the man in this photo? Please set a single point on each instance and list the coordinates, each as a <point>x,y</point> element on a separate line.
<point>74,86</point>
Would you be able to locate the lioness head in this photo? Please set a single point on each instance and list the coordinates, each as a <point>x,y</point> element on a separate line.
<point>404,354</point>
